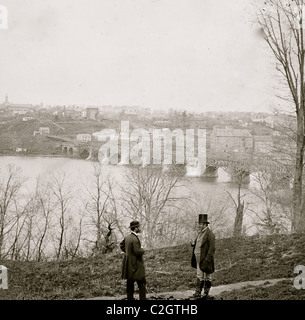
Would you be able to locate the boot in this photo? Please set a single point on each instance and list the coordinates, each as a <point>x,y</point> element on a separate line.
<point>130,290</point>
<point>199,286</point>
<point>142,290</point>
<point>207,287</point>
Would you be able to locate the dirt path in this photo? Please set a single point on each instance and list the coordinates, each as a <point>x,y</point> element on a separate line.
<point>178,295</point>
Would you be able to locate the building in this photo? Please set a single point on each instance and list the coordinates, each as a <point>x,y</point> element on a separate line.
<point>198,123</point>
<point>17,108</point>
<point>25,119</point>
<point>83,137</point>
<point>92,113</point>
<point>44,130</point>
<point>231,140</point>
<point>129,115</point>
<point>262,144</point>
<point>164,124</point>
<point>6,102</point>
<point>257,117</point>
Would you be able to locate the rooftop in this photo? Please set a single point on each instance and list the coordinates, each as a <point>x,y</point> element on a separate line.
<point>225,132</point>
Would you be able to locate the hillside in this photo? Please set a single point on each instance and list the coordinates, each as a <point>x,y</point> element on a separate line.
<point>167,269</point>
<point>19,134</point>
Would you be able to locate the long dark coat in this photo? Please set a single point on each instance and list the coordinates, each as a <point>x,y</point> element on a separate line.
<point>206,254</point>
<point>133,264</point>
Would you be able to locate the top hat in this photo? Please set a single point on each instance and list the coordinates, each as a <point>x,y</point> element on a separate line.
<point>203,218</point>
<point>134,224</point>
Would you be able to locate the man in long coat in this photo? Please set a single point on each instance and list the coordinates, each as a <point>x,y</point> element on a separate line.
<point>133,264</point>
<point>203,256</point>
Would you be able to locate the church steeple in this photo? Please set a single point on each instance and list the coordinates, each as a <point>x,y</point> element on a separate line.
<point>6,99</point>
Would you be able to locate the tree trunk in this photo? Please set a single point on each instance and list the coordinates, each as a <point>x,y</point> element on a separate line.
<point>238,223</point>
<point>62,232</point>
<point>298,223</point>
<point>1,241</point>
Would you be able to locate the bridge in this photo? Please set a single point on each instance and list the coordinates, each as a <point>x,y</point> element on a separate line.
<point>238,165</point>
<point>77,149</point>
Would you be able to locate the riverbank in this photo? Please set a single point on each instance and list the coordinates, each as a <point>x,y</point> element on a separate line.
<point>51,155</point>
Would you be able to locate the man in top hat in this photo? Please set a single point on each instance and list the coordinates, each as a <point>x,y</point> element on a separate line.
<point>203,256</point>
<point>133,265</point>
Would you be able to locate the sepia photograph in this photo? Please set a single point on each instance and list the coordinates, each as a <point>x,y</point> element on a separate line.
<point>152,150</point>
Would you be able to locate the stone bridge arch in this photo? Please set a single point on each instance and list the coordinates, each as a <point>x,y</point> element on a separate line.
<point>69,149</point>
<point>84,153</point>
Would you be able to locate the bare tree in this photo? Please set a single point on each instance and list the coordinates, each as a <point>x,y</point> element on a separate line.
<point>150,196</point>
<point>29,235</point>
<point>73,237</point>
<point>109,238</point>
<point>269,193</point>
<point>18,239</point>
<point>101,209</point>
<point>44,208</point>
<point>25,232</point>
<point>62,194</point>
<point>76,244</point>
<point>10,185</point>
<point>240,206</point>
<point>240,174</point>
<point>281,23</point>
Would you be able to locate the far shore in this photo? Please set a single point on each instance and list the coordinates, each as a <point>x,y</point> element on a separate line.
<point>31,155</point>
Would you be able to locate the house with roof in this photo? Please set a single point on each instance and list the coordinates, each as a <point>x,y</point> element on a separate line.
<point>83,137</point>
<point>262,144</point>
<point>231,140</point>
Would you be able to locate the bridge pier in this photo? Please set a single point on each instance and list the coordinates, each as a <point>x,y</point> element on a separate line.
<point>210,172</point>
<point>243,177</point>
<point>90,154</point>
<point>194,171</point>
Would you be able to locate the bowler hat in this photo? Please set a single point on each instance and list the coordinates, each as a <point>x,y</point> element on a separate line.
<point>134,224</point>
<point>203,218</point>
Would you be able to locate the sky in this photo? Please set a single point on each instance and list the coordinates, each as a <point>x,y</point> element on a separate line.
<point>194,55</point>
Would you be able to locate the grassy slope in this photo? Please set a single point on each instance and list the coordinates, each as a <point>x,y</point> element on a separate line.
<point>167,269</point>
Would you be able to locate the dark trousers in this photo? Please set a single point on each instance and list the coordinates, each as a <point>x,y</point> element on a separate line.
<point>141,286</point>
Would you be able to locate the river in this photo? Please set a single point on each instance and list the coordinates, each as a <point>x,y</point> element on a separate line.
<point>78,170</point>
<point>211,191</point>
<point>33,167</point>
